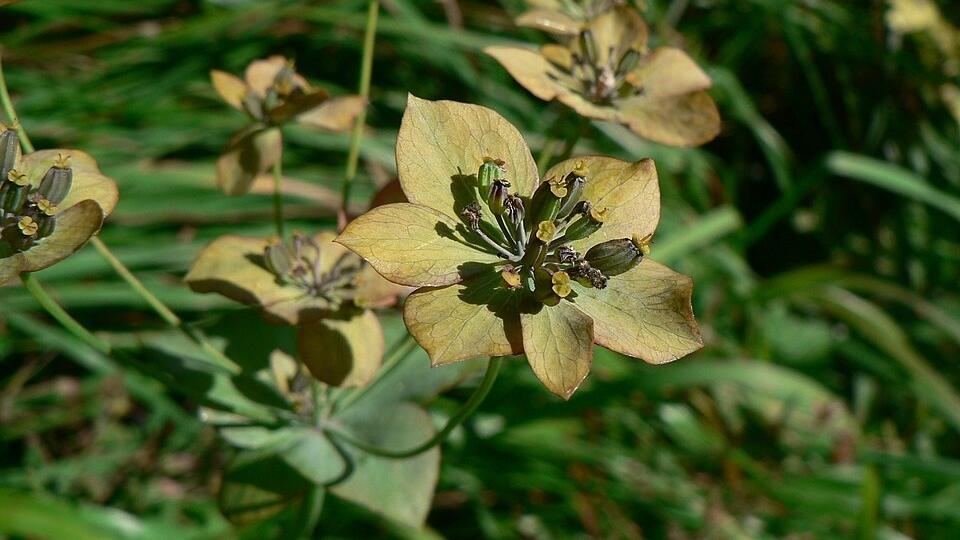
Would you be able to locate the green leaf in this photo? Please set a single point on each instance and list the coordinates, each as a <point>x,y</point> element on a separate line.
<point>558,342</point>
<point>401,490</point>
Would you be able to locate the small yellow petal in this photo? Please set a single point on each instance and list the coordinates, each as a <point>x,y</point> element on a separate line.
<point>17,178</point>
<point>47,207</point>
<point>557,187</point>
<point>561,284</point>
<point>28,226</point>
<point>643,244</point>
<point>511,277</point>
<point>546,230</point>
<point>599,213</point>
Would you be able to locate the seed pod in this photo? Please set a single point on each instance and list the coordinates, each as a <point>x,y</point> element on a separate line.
<point>278,258</point>
<point>490,170</point>
<point>498,197</point>
<point>614,257</point>
<point>57,181</point>
<point>14,192</point>
<point>588,46</point>
<point>546,201</point>
<point>586,224</point>
<point>574,182</point>
<point>46,225</point>
<point>543,288</point>
<point>9,152</point>
<point>628,61</point>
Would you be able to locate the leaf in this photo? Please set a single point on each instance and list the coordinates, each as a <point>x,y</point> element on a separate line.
<point>399,489</point>
<point>413,245</point>
<point>315,457</point>
<point>230,87</point>
<point>645,313</point>
<point>629,191</point>
<point>441,141</point>
<point>250,153</point>
<point>531,69</point>
<point>335,114</point>
<point>892,178</point>
<point>74,227</point>
<point>549,21</point>
<point>342,352</point>
<point>88,181</point>
<point>558,342</point>
<point>686,120</point>
<point>473,319</point>
<point>259,485</point>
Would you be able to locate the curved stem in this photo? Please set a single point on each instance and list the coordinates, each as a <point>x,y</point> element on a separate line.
<point>162,310</point>
<point>278,195</point>
<point>11,113</point>
<point>468,408</point>
<point>33,285</point>
<point>356,136</point>
<point>401,352</point>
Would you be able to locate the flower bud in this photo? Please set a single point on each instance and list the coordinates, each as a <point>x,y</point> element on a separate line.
<point>490,170</point>
<point>9,152</point>
<point>498,197</point>
<point>614,257</point>
<point>586,224</point>
<point>57,181</point>
<point>277,258</point>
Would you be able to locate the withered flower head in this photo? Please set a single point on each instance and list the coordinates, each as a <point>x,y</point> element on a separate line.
<point>606,72</point>
<point>272,94</point>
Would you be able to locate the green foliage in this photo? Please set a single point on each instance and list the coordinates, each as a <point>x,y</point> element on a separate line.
<point>820,229</point>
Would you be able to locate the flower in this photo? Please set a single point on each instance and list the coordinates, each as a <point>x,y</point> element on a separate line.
<point>488,286</point>
<point>606,72</point>
<point>563,17</point>
<point>51,203</point>
<point>272,94</point>
<point>313,283</point>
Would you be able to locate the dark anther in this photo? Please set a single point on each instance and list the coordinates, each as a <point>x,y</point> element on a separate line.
<point>471,214</point>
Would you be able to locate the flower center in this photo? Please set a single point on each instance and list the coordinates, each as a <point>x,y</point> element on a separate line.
<point>27,213</point>
<point>533,234</point>
<point>604,81</point>
<point>301,264</point>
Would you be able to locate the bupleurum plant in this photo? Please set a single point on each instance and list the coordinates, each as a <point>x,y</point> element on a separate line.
<point>605,71</point>
<point>272,94</point>
<point>312,283</point>
<point>509,265</point>
<point>51,203</point>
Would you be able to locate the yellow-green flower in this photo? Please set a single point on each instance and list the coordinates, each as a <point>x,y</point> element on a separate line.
<point>51,203</point>
<point>313,283</point>
<point>563,17</point>
<point>272,94</point>
<point>606,72</point>
<point>488,285</point>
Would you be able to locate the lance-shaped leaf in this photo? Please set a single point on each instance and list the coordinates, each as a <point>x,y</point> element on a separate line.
<point>645,313</point>
<point>414,245</point>
<point>473,319</point>
<point>342,351</point>
<point>558,342</point>
<point>250,153</point>
<point>630,193</point>
<point>440,141</point>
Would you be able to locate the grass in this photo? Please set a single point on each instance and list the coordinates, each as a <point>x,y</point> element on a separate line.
<point>820,229</point>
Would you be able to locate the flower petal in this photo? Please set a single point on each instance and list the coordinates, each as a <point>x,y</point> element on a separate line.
<point>686,120</point>
<point>230,87</point>
<point>530,69</point>
<point>260,74</point>
<point>629,191</point>
<point>336,114</point>
<point>547,20</point>
<point>668,72</point>
<point>440,141</point>
<point>75,226</point>
<point>473,319</point>
<point>88,181</point>
<point>233,266</point>
<point>342,352</point>
<point>414,245</point>
<point>644,313</point>
<point>250,153</point>
<point>558,342</point>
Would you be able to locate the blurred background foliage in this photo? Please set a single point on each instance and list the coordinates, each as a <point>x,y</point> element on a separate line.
<point>821,229</point>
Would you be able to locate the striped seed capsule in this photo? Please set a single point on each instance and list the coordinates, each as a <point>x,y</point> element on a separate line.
<point>57,181</point>
<point>546,200</point>
<point>587,224</point>
<point>628,62</point>
<point>614,257</point>
<point>9,151</point>
<point>490,170</point>
<point>14,192</point>
<point>277,258</point>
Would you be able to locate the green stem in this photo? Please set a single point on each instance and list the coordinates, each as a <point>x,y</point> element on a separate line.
<point>278,195</point>
<point>573,138</point>
<point>468,408</point>
<point>11,112</point>
<point>162,310</point>
<point>391,363</point>
<point>356,136</point>
<point>33,285</point>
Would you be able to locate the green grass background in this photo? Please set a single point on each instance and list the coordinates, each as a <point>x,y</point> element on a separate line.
<point>822,229</point>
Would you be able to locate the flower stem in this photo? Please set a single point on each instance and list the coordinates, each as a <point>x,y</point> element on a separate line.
<point>161,309</point>
<point>391,363</point>
<point>33,285</point>
<point>468,408</point>
<point>10,112</point>
<point>356,136</point>
<point>278,195</point>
